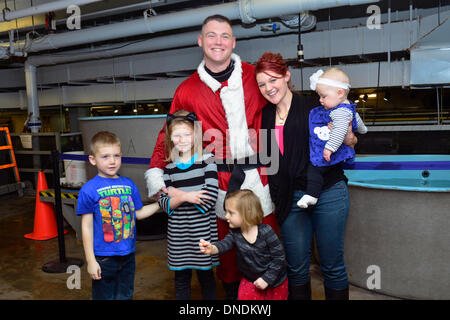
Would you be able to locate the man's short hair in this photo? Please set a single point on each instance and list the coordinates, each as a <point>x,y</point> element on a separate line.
<point>103,138</point>
<point>218,18</point>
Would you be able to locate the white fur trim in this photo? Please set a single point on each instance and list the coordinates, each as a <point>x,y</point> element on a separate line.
<point>212,83</point>
<point>232,97</point>
<point>155,181</point>
<point>220,211</point>
<point>252,182</point>
<point>206,156</point>
<point>215,85</point>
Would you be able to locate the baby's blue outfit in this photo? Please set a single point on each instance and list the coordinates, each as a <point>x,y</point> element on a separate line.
<point>319,117</point>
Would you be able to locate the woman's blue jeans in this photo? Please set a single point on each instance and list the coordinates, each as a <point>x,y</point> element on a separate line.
<point>327,220</point>
<point>117,282</point>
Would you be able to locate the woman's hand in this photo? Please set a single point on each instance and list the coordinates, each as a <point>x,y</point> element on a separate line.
<point>350,139</point>
<point>327,154</point>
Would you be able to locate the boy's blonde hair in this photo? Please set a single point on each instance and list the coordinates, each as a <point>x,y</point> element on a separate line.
<point>103,138</point>
<point>249,207</point>
<point>338,75</point>
<point>197,130</point>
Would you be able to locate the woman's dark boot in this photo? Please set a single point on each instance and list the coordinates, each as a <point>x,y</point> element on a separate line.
<point>331,294</point>
<point>300,292</point>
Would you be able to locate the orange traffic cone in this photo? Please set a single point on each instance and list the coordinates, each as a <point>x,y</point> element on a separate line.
<point>44,215</point>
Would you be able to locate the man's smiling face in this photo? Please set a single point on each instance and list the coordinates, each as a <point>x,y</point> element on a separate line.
<point>218,43</point>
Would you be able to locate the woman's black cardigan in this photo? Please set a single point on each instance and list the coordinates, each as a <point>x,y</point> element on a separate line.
<point>291,174</point>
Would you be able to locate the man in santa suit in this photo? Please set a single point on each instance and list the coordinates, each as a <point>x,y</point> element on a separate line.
<point>225,96</point>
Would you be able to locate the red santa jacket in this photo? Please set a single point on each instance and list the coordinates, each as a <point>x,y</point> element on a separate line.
<point>227,113</point>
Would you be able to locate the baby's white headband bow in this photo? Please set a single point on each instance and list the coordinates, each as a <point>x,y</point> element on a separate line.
<point>315,79</point>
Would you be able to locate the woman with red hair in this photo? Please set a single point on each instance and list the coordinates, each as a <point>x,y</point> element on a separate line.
<point>288,113</point>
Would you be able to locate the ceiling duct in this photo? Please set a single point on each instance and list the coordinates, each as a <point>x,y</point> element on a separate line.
<point>42,8</point>
<point>162,43</point>
<point>248,11</point>
<point>430,58</point>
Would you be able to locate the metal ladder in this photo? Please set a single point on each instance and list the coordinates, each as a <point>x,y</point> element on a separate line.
<point>14,186</point>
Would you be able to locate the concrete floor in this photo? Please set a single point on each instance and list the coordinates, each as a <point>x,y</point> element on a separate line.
<point>21,261</point>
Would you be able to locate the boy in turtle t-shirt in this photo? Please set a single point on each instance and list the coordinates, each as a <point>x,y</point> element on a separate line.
<point>109,204</point>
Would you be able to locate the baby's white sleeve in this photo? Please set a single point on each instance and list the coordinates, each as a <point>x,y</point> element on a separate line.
<point>341,118</point>
<point>361,126</point>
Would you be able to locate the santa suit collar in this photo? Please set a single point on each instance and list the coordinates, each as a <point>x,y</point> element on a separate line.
<point>234,81</point>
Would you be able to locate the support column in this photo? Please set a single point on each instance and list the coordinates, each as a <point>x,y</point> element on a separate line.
<point>34,122</point>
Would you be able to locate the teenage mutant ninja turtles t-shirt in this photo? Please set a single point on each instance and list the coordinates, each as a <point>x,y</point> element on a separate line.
<point>113,203</point>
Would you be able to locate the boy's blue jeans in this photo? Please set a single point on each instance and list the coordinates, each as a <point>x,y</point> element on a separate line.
<point>117,282</point>
<point>327,220</point>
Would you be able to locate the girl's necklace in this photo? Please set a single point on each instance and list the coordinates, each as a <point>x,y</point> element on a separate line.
<point>281,119</point>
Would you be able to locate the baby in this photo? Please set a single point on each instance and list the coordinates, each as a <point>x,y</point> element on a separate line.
<point>326,146</point>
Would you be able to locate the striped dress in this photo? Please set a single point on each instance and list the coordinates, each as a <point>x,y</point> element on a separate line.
<point>189,223</point>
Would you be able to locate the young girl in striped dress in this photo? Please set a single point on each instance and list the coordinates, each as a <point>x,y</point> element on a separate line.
<point>189,200</point>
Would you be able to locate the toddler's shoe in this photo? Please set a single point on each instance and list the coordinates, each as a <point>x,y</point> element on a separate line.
<point>306,201</point>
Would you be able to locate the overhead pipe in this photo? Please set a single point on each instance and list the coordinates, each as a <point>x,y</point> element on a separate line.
<point>129,8</point>
<point>170,21</point>
<point>108,12</point>
<point>42,8</point>
<point>248,11</point>
<point>162,43</point>
<point>307,21</point>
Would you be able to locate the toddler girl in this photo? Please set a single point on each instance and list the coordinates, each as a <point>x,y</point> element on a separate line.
<point>259,253</point>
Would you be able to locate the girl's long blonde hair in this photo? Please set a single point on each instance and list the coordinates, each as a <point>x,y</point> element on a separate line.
<point>171,153</point>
